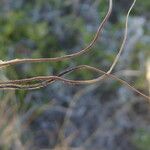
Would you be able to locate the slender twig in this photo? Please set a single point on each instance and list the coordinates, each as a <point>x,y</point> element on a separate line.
<point>42,81</point>
<point>124,39</point>
<point>66,57</point>
<point>49,79</point>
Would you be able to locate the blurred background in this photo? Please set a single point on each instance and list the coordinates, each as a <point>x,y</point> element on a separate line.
<point>102,116</point>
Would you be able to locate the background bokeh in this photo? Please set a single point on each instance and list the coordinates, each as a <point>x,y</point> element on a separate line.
<point>103,116</point>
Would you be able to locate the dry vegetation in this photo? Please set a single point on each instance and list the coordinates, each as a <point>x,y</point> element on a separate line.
<point>41,81</point>
<point>12,124</point>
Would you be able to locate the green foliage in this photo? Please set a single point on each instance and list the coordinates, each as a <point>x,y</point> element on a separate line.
<point>142,7</point>
<point>142,139</point>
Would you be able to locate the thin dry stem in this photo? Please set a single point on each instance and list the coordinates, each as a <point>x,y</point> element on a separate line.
<point>66,57</point>
<point>42,81</point>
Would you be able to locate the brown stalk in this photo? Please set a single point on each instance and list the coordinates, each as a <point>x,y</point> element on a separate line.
<point>46,80</point>
<point>42,81</point>
<point>66,57</point>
